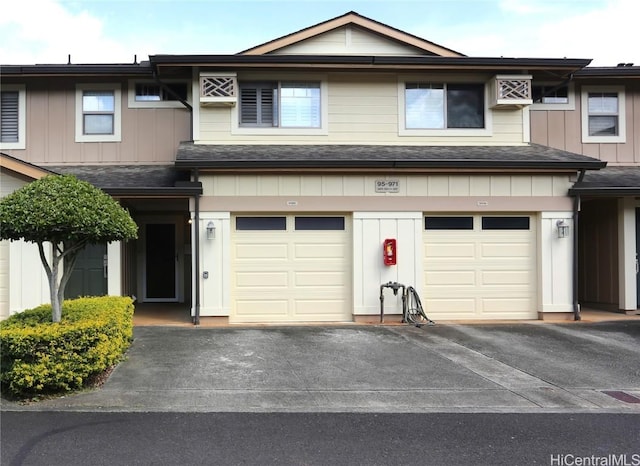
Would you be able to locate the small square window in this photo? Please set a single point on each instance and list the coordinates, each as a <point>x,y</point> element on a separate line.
<point>603,114</point>
<point>98,112</point>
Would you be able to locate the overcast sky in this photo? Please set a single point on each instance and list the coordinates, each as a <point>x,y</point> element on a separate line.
<point>113,31</point>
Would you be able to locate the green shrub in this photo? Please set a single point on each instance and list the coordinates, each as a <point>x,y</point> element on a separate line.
<point>38,357</point>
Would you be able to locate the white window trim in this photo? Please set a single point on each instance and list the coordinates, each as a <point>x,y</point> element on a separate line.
<point>453,132</point>
<point>117,116</point>
<point>622,124</point>
<point>277,131</point>
<point>133,103</point>
<point>22,117</point>
<point>570,105</point>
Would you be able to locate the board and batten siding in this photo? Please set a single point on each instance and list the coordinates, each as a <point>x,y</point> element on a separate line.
<point>149,135</point>
<point>561,129</point>
<point>362,109</point>
<point>364,185</point>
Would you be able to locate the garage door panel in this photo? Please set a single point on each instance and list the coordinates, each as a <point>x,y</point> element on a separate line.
<point>262,307</point>
<point>262,279</point>
<point>320,279</point>
<point>450,278</point>
<point>506,250</point>
<point>451,307</point>
<point>506,277</point>
<point>450,250</point>
<point>318,307</point>
<point>317,251</point>
<point>505,306</point>
<point>263,251</point>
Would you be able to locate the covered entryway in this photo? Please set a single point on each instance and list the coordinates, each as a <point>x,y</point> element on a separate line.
<point>480,267</point>
<point>291,268</point>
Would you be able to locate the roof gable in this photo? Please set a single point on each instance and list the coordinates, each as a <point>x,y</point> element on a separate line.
<point>21,168</point>
<point>353,34</point>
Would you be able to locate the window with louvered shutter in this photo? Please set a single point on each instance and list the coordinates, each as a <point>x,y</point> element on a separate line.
<point>257,104</point>
<point>9,116</point>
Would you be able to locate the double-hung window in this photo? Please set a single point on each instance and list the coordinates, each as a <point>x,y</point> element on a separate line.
<point>12,117</point>
<point>432,106</point>
<point>603,111</point>
<point>281,104</point>
<point>98,112</point>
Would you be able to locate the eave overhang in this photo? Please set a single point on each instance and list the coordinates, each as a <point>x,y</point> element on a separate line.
<point>368,62</point>
<point>141,69</point>
<point>610,182</point>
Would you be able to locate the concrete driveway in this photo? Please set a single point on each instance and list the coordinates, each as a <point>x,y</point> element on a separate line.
<point>529,367</point>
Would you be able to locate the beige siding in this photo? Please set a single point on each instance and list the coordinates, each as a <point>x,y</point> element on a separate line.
<point>364,185</point>
<point>362,109</point>
<point>348,40</point>
<point>561,129</point>
<point>148,135</point>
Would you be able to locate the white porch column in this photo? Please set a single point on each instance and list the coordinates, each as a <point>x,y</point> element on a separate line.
<point>215,265</point>
<point>556,264</point>
<point>114,268</point>
<point>627,254</point>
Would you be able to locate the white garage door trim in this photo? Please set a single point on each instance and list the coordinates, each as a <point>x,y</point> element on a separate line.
<point>480,266</point>
<point>291,268</point>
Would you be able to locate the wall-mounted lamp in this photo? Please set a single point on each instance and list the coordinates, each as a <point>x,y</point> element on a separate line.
<point>211,230</point>
<point>563,229</point>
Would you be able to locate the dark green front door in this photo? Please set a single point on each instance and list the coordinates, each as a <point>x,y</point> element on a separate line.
<point>89,276</point>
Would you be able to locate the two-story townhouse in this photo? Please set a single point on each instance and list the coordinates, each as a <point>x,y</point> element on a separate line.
<point>313,149</point>
<point>596,112</point>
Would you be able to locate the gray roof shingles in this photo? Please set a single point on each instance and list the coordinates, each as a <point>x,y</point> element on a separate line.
<point>192,155</point>
<point>617,181</point>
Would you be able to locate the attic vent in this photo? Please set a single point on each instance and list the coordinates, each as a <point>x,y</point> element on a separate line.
<point>511,91</point>
<point>218,89</point>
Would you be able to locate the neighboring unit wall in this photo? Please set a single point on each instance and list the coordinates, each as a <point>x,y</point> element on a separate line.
<point>148,135</point>
<point>562,129</point>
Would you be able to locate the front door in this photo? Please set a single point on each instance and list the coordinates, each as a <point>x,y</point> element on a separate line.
<point>161,260</point>
<point>89,276</point>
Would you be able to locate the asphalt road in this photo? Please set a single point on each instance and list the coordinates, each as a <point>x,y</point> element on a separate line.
<point>72,438</point>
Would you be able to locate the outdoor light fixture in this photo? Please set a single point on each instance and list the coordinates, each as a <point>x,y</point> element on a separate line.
<point>211,230</point>
<point>563,229</point>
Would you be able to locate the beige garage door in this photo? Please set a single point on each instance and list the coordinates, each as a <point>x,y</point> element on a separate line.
<point>291,268</point>
<point>480,267</point>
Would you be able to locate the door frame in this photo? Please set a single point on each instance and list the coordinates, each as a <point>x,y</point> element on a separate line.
<point>176,221</point>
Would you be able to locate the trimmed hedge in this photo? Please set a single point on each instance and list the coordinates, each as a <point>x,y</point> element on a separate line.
<point>39,357</point>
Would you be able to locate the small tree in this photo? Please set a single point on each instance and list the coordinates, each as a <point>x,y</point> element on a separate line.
<point>69,214</point>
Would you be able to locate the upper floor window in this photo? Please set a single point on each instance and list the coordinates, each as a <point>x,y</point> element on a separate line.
<point>150,94</point>
<point>440,105</point>
<point>553,96</point>
<point>603,111</point>
<point>98,112</point>
<point>443,108</point>
<point>12,117</point>
<point>280,104</point>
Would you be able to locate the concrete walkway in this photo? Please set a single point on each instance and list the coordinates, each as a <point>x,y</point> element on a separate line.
<point>491,368</point>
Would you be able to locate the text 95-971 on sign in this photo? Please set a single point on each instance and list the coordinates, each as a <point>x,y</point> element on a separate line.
<point>387,186</point>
